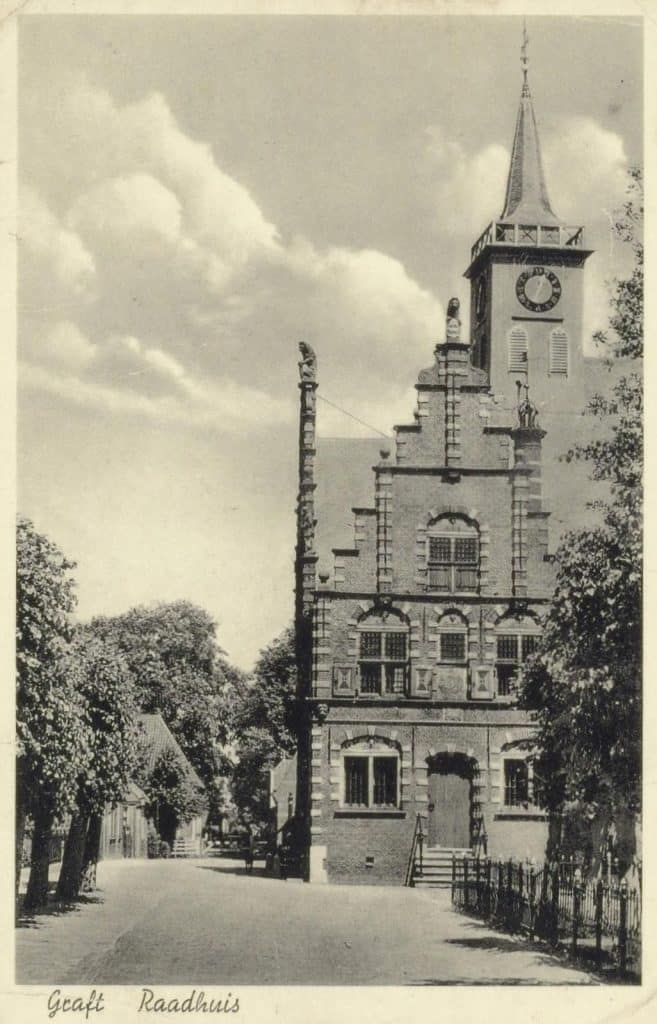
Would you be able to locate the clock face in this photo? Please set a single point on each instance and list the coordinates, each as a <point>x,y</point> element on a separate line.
<point>538,289</point>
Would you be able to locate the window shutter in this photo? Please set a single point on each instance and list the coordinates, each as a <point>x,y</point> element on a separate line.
<point>559,351</point>
<point>517,350</point>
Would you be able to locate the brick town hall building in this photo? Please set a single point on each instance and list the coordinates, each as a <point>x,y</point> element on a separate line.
<point>407,655</point>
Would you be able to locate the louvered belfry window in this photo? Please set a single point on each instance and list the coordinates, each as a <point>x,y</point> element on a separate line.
<point>559,352</point>
<point>517,350</point>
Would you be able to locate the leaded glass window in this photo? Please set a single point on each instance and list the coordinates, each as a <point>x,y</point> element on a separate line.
<point>453,557</point>
<point>383,662</point>
<point>513,649</point>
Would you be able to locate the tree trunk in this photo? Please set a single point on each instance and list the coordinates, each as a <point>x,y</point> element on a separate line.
<point>553,850</point>
<point>91,853</point>
<point>20,837</point>
<point>37,886</point>
<point>68,885</point>
<point>599,844</point>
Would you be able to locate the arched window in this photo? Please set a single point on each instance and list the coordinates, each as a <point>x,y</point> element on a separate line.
<point>371,774</point>
<point>516,640</point>
<point>453,555</point>
<point>452,639</point>
<point>517,339</point>
<point>383,640</point>
<point>558,361</point>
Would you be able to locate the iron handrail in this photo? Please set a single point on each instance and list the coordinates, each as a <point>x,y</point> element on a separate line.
<point>417,842</point>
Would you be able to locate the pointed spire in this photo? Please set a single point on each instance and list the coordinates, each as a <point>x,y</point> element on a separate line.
<point>527,198</point>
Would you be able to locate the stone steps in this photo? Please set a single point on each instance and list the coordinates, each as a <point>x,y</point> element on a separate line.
<point>436,866</point>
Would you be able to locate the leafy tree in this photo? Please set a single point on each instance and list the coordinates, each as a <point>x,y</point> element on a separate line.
<point>180,672</point>
<point>262,717</point>
<point>106,689</point>
<point>173,795</point>
<point>583,686</point>
<point>52,733</point>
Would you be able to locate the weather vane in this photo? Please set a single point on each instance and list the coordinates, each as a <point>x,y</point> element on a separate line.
<point>524,59</point>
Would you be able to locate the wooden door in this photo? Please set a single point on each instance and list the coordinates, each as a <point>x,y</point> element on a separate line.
<point>449,807</point>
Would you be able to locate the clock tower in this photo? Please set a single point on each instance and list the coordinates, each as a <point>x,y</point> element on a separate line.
<point>526,283</point>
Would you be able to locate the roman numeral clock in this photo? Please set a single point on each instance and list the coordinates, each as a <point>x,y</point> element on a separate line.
<point>538,289</point>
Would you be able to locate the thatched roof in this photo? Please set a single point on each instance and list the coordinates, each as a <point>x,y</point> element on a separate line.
<point>158,738</point>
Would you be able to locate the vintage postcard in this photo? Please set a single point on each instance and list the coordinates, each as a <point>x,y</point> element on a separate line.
<point>329,511</point>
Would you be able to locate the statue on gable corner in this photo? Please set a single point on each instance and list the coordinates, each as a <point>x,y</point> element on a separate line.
<point>453,325</point>
<point>527,411</point>
<point>307,363</point>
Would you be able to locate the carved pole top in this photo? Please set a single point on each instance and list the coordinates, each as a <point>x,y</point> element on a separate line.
<point>307,363</point>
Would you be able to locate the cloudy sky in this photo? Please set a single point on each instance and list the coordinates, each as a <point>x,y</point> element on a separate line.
<point>198,195</point>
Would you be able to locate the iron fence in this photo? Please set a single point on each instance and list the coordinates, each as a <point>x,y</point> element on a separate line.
<point>600,918</point>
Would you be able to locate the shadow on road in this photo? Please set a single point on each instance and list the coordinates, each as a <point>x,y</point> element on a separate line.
<point>235,869</point>
<point>497,943</point>
<point>53,908</point>
<point>502,944</point>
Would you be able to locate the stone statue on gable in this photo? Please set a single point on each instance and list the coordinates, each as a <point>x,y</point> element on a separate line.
<point>453,326</point>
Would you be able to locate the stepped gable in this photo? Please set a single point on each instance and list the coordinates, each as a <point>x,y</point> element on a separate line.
<point>434,376</point>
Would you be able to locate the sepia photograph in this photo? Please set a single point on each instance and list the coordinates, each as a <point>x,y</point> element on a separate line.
<point>329,534</point>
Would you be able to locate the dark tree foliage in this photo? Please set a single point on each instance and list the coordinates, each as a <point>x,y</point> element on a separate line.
<point>262,716</point>
<point>583,686</point>
<point>105,686</point>
<point>52,728</point>
<point>180,672</point>
<point>173,796</point>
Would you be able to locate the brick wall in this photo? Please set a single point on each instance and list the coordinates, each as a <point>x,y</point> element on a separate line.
<point>373,847</point>
<point>457,459</point>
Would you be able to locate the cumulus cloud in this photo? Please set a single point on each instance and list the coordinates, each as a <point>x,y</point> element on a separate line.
<point>58,262</point>
<point>193,278</point>
<point>66,347</point>
<point>468,188</point>
<point>601,161</point>
<point>193,294</point>
<point>143,138</point>
<point>222,404</point>
<point>128,206</point>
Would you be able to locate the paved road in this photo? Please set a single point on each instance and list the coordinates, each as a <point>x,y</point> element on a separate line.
<point>206,922</point>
